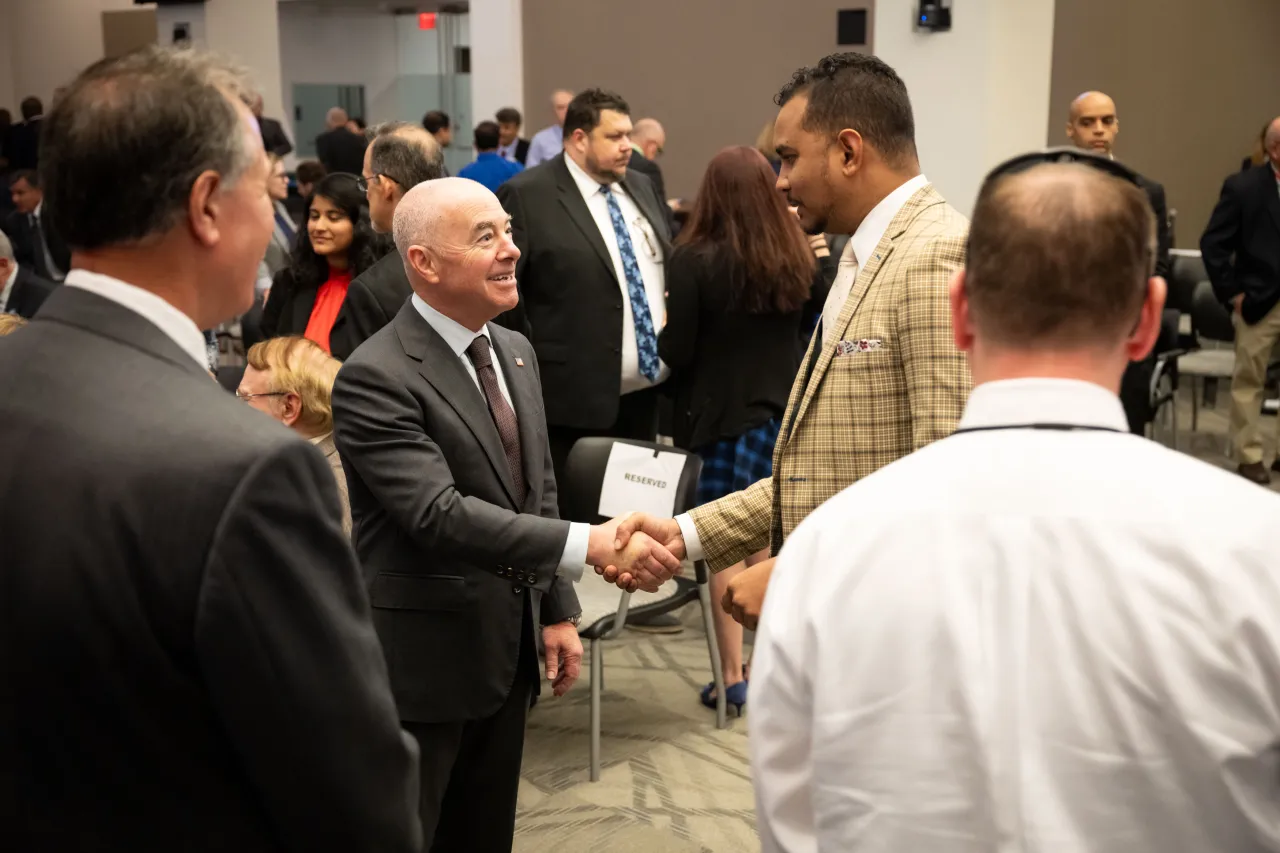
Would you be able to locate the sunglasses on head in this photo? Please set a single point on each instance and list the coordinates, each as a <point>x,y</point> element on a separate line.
<point>1023,162</point>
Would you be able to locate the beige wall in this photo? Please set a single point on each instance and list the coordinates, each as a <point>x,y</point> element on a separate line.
<point>707,70</point>
<point>1193,81</point>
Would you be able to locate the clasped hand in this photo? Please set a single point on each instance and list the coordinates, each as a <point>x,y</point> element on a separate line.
<point>644,552</point>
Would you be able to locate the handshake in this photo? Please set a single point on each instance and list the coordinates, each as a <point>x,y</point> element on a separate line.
<point>637,551</point>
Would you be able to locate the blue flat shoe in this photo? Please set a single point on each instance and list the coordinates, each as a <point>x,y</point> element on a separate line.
<point>735,695</point>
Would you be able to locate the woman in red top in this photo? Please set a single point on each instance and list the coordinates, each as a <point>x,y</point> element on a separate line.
<point>340,243</point>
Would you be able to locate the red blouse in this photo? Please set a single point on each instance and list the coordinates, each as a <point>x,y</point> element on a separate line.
<point>329,299</point>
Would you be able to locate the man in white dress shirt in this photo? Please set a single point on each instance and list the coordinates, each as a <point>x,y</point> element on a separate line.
<point>186,645</point>
<point>1042,633</point>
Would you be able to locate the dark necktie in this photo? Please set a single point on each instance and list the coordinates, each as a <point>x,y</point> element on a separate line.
<point>503,417</point>
<point>40,251</point>
<point>286,227</point>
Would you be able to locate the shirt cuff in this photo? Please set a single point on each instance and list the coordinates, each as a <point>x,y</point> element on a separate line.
<point>573,561</point>
<point>692,544</point>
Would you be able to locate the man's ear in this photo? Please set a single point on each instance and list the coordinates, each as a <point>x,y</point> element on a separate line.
<point>961,323</point>
<point>204,208</point>
<point>852,150</point>
<point>290,408</point>
<point>425,264</point>
<point>1145,334</point>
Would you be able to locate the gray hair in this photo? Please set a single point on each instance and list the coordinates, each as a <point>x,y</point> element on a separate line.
<point>123,147</point>
<point>6,249</point>
<point>406,153</point>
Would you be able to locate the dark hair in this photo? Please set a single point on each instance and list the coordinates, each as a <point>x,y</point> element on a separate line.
<point>486,136</point>
<point>31,177</point>
<point>367,247</point>
<point>741,217</point>
<point>358,121</point>
<point>586,106</point>
<point>310,171</point>
<point>31,107</point>
<point>509,115</point>
<point>405,154</point>
<point>1059,255</point>
<point>854,90</point>
<point>435,121</point>
<point>6,118</point>
<point>160,116</point>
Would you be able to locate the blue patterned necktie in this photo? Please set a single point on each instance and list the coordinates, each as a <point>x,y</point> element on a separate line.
<point>646,338</point>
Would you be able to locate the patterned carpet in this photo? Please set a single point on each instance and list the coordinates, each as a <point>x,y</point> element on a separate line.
<point>671,782</point>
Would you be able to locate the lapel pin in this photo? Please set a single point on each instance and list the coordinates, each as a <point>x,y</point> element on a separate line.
<point>519,361</point>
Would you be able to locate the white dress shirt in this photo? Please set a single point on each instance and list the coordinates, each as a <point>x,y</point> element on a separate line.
<point>1031,640</point>
<point>857,253</point>
<point>178,326</point>
<point>458,337</point>
<point>648,251</point>
<point>7,292</point>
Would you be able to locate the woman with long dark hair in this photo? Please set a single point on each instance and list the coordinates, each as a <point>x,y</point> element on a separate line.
<point>743,286</point>
<point>338,245</point>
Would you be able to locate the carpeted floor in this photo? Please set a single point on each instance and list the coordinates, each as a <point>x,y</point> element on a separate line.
<point>671,782</point>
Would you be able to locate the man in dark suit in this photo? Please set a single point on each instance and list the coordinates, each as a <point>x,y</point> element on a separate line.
<point>510,145</point>
<point>1241,249</point>
<point>438,421</point>
<point>593,238</point>
<point>1092,124</point>
<point>24,138</point>
<point>22,292</point>
<point>273,135</point>
<point>400,157</point>
<point>187,651</point>
<point>338,149</point>
<point>36,242</point>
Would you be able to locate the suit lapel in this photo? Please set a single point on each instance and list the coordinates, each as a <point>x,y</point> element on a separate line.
<point>924,198</point>
<point>303,303</point>
<point>645,203</point>
<point>444,371</point>
<point>1273,194</point>
<point>571,198</point>
<point>527,402</point>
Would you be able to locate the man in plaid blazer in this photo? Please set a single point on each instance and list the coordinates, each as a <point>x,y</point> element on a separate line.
<point>882,377</point>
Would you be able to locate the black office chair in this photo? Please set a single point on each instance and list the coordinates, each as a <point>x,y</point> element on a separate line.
<point>603,620</point>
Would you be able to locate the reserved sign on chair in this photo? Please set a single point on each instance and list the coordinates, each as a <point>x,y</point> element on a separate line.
<point>639,480</point>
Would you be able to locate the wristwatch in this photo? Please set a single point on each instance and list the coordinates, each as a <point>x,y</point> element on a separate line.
<point>575,620</point>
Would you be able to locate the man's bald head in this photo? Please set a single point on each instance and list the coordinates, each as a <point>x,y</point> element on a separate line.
<point>455,240</point>
<point>1092,123</point>
<point>336,117</point>
<point>649,136</point>
<point>560,99</point>
<point>1059,258</point>
<point>1271,142</point>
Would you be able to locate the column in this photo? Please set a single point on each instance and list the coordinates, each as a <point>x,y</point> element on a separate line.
<point>497,59</point>
<point>249,32</point>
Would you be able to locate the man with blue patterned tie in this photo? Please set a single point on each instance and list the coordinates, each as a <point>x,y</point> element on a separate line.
<point>593,239</point>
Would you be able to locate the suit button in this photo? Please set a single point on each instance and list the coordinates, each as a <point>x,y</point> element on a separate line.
<point>618,305</point>
<point>517,589</point>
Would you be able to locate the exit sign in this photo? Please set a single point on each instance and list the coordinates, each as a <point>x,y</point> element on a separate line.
<point>427,21</point>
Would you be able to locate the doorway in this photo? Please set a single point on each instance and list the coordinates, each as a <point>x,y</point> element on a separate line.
<point>312,101</point>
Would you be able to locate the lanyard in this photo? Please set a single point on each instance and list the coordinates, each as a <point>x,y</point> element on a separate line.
<point>1040,426</point>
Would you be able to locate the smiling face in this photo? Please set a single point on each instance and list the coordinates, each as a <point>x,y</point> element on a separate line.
<point>330,230</point>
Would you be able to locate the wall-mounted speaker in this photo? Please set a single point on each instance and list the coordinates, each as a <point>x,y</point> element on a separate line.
<point>851,27</point>
<point>934,16</point>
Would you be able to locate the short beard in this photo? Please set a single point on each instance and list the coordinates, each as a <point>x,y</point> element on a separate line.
<point>595,171</point>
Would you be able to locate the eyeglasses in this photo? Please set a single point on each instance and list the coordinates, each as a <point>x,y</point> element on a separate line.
<point>240,395</point>
<point>362,183</point>
<point>640,225</point>
<point>1023,162</point>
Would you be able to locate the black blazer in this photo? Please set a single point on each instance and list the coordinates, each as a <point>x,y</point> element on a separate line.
<point>340,150</point>
<point>24,145</point>
<point>570,299</point>
<point>275,140</point>
<point>1241,244</point>
<point>442,537</point>
<point>29,293</point>
<point>522,151</point>
<point>375,296</point>
<point>186,647</point>
<point>730,371</point>
<point>23,236</point>
<point>1155,193</point>
<point>651,170</point>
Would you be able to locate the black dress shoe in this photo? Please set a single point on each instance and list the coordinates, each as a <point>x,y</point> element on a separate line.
<point>1255,472</point>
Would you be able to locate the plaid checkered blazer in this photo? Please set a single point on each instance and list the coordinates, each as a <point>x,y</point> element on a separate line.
<point>885,380</point>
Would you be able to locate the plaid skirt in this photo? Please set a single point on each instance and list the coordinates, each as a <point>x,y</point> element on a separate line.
<point>732,464</point>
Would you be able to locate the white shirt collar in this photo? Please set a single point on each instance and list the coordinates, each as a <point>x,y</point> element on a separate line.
<point>587,185</point>
<point>6,292</point>
<point>1012,402</point>
<point>871,231</point>
<point>456,335</point>
<point>39,207</point>
<point>178,326</point>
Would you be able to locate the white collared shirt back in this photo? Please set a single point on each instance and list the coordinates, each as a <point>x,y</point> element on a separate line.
<point>1025,640</point>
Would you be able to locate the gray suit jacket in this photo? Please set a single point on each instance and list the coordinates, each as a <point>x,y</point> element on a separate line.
<point>459,570</point>
<point>185,644</point>
<point>330,452</point>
